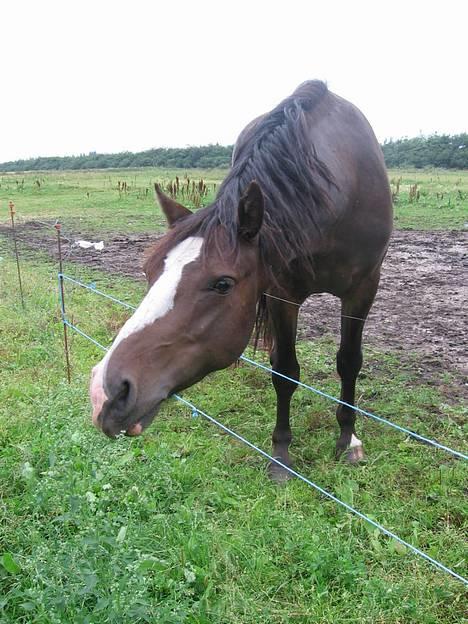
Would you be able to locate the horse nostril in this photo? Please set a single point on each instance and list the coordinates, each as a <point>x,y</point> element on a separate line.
<point>124,395</point>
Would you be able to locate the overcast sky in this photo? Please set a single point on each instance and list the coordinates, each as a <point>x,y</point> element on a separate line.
<point>114,76</point>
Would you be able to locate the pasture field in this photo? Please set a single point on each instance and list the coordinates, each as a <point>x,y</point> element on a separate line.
<point>182,525</point>
<point>90,201</point>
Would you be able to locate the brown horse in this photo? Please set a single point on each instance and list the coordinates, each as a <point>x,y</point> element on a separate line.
<point>306,208</point>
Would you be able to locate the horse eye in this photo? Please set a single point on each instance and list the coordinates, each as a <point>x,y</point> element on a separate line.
<point>223,285</point>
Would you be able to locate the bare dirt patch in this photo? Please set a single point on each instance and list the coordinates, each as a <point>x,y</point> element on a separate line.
<point>420,307</point>
<point>421,304</point>
<point>122,254</point>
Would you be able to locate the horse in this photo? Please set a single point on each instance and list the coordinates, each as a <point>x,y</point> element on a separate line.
<point>305,208</point>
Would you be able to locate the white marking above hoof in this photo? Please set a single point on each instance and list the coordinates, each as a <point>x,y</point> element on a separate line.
<point>354,452</point>
<point>354,442</point>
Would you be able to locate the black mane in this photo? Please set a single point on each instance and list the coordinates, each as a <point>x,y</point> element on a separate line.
<point>277,153</point>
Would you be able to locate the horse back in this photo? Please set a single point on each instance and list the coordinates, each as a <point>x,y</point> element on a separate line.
<point>355,239</point>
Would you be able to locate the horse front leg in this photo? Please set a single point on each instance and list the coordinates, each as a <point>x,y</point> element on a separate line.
<point>283,360</point>
<point>355,307</point>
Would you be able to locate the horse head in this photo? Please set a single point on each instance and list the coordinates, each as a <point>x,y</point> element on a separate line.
<point>197,316</point>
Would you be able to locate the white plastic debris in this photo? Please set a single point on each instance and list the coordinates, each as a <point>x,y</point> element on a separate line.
<point>84,244</point>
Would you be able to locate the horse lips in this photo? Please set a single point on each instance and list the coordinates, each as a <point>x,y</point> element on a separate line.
<point>97,394</point>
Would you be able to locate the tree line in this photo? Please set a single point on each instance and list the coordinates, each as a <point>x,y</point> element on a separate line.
<point>202,157</point>
<point>446,151</point>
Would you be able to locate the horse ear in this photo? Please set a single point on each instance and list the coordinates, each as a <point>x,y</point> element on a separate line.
<point>250,211</point>
<point>171,208</point>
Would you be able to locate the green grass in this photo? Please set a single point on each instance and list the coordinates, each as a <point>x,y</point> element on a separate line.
<point>89,201</point>
<point>442,202</point>
<point>182,524</point>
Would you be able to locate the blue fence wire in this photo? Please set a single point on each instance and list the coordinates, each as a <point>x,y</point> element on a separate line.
<point>196,411</point>
<point>380,419</point>
<point>349,508</point>
<point>93,288</point>
<point>330,397</point>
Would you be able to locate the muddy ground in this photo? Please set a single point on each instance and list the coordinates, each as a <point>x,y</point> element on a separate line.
<point>420,307</point>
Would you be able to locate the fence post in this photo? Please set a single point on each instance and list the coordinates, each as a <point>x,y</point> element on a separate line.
<point>12,217</point>
<point>62,301</point>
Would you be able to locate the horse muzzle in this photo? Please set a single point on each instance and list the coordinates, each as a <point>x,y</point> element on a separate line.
<point>119,413</point>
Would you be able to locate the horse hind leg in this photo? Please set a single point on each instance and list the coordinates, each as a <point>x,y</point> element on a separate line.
<point>355,307</point>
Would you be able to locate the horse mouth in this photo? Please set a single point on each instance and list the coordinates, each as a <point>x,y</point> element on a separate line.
<point>133,427</point>
<point>135,430</point>
<point>140,425</point>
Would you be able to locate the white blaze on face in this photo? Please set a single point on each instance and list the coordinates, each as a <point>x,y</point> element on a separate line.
<point>158,301</point>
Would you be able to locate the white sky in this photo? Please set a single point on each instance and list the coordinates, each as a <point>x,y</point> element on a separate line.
<point>113,76</point>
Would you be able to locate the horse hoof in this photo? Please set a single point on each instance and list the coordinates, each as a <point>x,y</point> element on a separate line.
<point>277,473</point>
<point>354,455</point>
